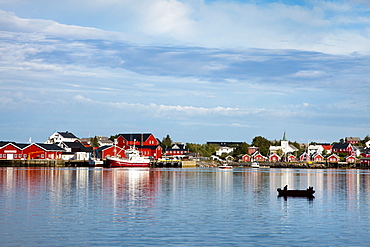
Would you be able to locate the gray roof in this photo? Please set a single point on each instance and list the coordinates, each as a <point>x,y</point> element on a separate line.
<point>138,137</point>
<point>67,134</point>
<point>50,147</point>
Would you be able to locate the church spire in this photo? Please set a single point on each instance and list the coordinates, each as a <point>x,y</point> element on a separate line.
<point>284,136</point>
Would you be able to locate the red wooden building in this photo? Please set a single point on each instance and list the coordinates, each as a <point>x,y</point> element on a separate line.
<point>353,140</point>
<point>365,159</point>
<point>104,151</point>
<point>333,158</point>
<point>343,148</point>
<point>274,157</point>
<point>317,158</point>
<point>252,150</point>
<point>147,144</point>
<point>177,149</point>
<point>351,159</point>
<point>291,158</point>
<point>246,158</point>
<point>257,156</point>
<point>12,150</point>
<point>304,157</point>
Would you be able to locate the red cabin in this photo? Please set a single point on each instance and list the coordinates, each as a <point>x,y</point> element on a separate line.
<point>317,158</point>
<point>246,158</point>
<point>351,159</point>
<point>291,158</point>
<point>304,157</point>
<point>333,158</point>
<point>274,158</point>
<point>258,157</point>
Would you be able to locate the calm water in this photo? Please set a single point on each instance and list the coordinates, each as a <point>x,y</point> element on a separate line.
<point>182,207</point>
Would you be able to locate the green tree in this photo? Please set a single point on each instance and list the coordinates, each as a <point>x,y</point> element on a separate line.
<point>241,149</point>
<point>94,142</point>
<point>113,137</point>
<point>366,139</point>
<point>204,150</point>
<point>262,143</point>
<point>166,142</point>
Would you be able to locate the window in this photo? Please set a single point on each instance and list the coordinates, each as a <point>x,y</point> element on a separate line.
<point>24,155</point>
<point>42,156</point>
<point>1,155</point>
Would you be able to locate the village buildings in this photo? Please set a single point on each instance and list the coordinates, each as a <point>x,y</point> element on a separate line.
<point>67,146</point>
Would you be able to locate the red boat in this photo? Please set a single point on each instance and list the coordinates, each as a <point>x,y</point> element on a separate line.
<point>134,159</point>
<point>296,193</point>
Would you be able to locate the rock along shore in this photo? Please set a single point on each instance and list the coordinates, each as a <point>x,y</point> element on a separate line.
<point>280,165</point>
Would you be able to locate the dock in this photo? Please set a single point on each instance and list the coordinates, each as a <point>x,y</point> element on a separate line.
<point>83,163</point>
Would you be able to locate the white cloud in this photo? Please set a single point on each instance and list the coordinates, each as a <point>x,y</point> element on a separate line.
<point>10,22</point>
<point>329,27</point>
<point>309,74</point>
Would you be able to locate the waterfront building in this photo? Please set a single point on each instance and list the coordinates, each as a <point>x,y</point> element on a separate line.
<point>13,151</point>
<point>304,157</point>
<point>333,158</point>
<point>343,148</point>
<point>257,156</point>
<point>351,159</point>
<point>246,158</point>
<point>108,150</point>
<point>291,158</point>
<point>146,143</point>
<point>274,157</point>
<point>58,137</point>
<point>177,149</point>
<point>317,157</point>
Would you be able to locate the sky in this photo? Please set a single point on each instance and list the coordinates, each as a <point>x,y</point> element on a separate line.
<point>197,70</point>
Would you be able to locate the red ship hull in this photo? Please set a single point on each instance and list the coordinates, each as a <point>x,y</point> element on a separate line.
<point>123,163</point>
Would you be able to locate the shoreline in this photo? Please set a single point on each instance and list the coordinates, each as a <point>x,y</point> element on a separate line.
<point>183,164</point>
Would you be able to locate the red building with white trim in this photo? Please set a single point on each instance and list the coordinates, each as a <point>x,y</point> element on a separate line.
<point>291,158</point>
<point>351,159</point>
<point>343,148</point>
<point>274,157</point>
<point>246,158</point>
<point>147,144</point>
<point>333,158</point>
<point>12,150</point>
<point>317,158</point>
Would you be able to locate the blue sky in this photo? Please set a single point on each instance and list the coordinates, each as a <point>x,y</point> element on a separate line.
<point>196,70</point>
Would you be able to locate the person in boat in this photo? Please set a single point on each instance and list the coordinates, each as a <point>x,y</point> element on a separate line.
<point>310,188</point>
<point>286,187</point>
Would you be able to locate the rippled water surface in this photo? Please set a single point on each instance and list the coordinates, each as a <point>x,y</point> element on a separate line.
<point>182,207</point>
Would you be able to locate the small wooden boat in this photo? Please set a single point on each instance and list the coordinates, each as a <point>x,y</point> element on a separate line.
<point>296,193</point>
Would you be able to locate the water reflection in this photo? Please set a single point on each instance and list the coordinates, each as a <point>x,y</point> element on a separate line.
<point>133,184</point>
<point>83,206</point>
